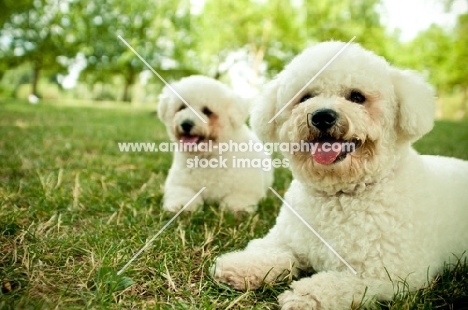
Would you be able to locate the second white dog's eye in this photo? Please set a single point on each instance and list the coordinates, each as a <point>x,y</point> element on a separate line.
<point>182,107</point>
<point>305,98</point>
<point>356,97</point>
<point>207,111</point>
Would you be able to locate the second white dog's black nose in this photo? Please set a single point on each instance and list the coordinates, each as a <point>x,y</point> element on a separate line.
<point>186,126</point>
<point>323,119</point>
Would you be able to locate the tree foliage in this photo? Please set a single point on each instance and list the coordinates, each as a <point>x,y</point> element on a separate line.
<point>152,32</point>
<point>38,35</point>
<point>10,7</point>
<point>265,30</point>
<point>272,32</point>
<point>178,40</point>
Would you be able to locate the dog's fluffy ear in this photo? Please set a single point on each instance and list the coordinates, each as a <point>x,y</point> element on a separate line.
<point>239,111</point>
<point>163,106</point>
<point>416,104</point>
<point>264,109</point>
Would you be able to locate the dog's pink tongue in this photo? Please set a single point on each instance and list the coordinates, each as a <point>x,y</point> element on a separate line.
<point>189,139</point>
<point>324,157</point>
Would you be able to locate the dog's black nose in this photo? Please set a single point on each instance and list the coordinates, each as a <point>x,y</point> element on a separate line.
<point>323,119</point>
<point>187,125</point>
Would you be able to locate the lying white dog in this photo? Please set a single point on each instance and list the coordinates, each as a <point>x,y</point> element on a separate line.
<point>382,207</point>
<point>198,163</point>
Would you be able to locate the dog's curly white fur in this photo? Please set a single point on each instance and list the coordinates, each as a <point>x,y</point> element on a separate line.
<point>388,211</point>
<point>225,114</point>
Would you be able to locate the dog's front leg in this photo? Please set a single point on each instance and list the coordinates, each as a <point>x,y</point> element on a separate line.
<point>242,201</point>
<point>332,290</point>
<point>262,261</point>
<point>175,197</point>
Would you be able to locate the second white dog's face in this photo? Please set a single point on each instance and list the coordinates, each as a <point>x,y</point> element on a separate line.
<point>222,111</point>
<point>356,114</point>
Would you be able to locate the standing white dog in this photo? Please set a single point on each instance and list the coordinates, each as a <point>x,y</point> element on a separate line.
<point>382,207</point>
<point>204,160</point>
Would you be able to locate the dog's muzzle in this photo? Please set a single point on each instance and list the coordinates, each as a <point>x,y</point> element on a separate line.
<point>187,126</point>
<point>185,134</point>
<point>328,149</point>
<point>322,119</point>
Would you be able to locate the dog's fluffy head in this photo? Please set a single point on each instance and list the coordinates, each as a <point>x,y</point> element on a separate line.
<point>358,98</point>
<point>208,99</point>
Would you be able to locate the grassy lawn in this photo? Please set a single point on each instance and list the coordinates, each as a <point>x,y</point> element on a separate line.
<point>74,210</point>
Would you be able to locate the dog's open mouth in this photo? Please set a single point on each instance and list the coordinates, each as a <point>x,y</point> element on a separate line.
<point>191,139</point>
<point>327,150</point>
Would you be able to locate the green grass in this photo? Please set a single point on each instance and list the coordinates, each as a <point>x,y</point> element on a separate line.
<point>74,210</point>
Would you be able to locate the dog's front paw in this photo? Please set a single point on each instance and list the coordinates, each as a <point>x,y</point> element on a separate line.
<point>290,300</point>
<point>175,204</point>
<point>236,203</point>
<point>236,271</point>
<point>239,208</point>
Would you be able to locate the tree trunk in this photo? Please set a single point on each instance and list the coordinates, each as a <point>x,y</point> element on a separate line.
<point>465,101</point>
<point>259,54</point>
<point>35,80</point>
<point>128,83</point>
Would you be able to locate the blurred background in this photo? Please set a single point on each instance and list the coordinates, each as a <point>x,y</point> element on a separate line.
<point>68,51</point>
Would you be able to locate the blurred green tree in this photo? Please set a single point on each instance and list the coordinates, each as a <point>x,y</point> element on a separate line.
<point>157,30</point>
<point>181,37</point>
<point>273,32</point>
<point>343,19</point>
<point>442,55</point>
<point>260,30</point>
<point>37,34</point>
<point>11,7</point>
<point>430,52</point>
<point>460,59</point>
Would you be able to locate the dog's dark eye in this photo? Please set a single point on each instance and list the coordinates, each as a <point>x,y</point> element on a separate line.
<point>356,97</point>
<point>305,97</point>
<point>207,111</point>
<point>182,107</point>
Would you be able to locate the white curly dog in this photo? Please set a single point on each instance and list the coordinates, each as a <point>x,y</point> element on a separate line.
<point>199,161</point>
<point>391,214</point>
